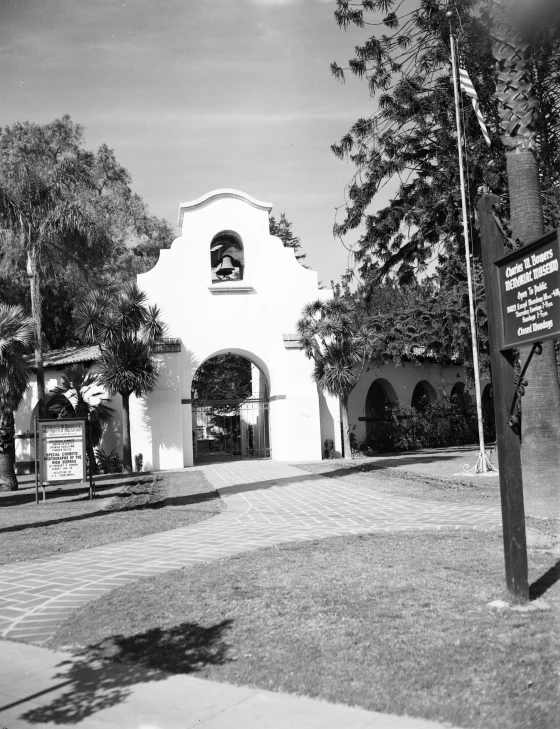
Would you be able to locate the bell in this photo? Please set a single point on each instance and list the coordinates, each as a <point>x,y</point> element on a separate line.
<point>226,267</point>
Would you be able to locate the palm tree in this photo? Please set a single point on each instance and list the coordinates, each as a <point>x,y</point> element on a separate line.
<point>16,338</point>
<point>333,335</point>
<point>79,396</point>
<point>126,328</point>
<point>518,111</point>
<point>41,176</point>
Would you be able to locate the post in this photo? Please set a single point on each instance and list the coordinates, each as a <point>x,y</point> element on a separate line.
<point>482,459</point>
<point>504,391</point>
<point>36,462</point>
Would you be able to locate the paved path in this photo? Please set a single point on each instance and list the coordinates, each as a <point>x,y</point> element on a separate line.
<point>267,502</point>
<point>41,688</point>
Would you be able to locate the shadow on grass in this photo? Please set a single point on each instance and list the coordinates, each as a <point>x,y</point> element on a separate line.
<point>545,582</point>
<point>160,504</point>
<point>92,683</point>
<point>55,493</point>
<point>385,464</point>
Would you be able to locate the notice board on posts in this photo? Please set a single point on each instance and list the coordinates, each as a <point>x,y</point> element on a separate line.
<point>62,450</point>
<point>529,292</point>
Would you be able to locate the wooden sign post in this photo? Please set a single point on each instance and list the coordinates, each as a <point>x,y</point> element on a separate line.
<point>523,302</point>
<point>60,454</point>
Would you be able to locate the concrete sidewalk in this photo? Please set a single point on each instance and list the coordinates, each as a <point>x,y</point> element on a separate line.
<point>47,689</point>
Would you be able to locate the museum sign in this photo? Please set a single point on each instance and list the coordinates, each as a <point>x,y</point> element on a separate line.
<point>529,292</point>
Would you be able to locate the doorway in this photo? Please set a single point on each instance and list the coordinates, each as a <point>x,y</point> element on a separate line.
<point>230,405</point>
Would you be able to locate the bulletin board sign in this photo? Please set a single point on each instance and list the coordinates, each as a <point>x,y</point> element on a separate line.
<point>529,292</point>
<point>61,452</point>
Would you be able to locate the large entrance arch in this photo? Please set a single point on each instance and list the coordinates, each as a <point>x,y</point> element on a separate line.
<point>230,409</point>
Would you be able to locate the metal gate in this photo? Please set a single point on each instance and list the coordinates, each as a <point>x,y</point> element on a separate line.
<point>231,428</point>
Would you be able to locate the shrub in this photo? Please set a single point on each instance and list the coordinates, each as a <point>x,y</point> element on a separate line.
<point>329,449</point>
<point>439,424</point>
<point>108,462</point>
<point>138,462</point>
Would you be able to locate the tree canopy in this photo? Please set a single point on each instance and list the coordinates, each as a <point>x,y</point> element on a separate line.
<point>409,138</point>
<point>47,167</point>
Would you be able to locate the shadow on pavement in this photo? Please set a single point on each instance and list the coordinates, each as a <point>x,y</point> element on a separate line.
<point>92,683</point>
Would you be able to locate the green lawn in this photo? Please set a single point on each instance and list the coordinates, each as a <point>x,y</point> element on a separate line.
<point>69,521</point>
<point>396,623</point>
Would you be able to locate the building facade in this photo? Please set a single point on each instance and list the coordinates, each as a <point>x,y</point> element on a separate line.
<point>226,286</point>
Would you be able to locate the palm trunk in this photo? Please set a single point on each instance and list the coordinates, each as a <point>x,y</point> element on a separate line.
<point>347,449</point>
<point>519,115</point>
<point>36,311</point>
<point>540,422</point>
<point>8,479</point>
<point>90,451</point>
<point>127,450</point>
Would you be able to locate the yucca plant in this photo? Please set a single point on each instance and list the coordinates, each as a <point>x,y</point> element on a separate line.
<point>519,114</point>
<point>16,340</point>
<point>126,329</point>
<point>334,337</point>
<point>79,396</point>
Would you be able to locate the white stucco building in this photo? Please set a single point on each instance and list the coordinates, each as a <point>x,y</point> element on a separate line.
<point>227,286</point>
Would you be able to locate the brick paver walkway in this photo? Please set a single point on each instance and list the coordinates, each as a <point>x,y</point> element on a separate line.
<point>267,503</point>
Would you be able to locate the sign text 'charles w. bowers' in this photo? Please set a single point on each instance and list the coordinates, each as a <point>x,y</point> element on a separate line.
<point>529,281</point>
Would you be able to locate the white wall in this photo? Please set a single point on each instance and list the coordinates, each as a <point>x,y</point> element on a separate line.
<point>245,317</point>
<point>25,415</point>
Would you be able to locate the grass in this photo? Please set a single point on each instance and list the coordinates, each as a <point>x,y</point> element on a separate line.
<point>396,623</point>
<point>122,510</point>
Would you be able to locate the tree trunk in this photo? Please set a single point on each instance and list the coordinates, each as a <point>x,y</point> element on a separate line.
<point>540,422</point>
<point>8,479</point>
<point>347,448</point>
<point>127,448</point>
<point>36,311</point>
<point>518,110</point>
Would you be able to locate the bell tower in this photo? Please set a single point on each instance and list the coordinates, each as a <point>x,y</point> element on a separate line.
<point>226,286</point>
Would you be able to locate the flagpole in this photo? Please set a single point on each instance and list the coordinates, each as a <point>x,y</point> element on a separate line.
<point>482,464</point>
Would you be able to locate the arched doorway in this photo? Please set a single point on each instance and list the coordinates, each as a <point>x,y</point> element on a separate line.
<point>488,417</point>
<point>423,395</point>
<point>230,406</point>
<point>460,398</point>
<point>380,396</point>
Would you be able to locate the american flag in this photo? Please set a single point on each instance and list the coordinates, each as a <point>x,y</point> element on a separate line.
<point>469,89</point>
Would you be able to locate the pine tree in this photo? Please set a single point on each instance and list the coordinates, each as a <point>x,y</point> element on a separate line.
<point>283,230</point>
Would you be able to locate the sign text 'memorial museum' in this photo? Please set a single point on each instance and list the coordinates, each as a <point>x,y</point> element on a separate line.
<point>529,283</point>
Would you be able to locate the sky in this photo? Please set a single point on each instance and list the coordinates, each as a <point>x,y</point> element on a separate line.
<point>195,95</point>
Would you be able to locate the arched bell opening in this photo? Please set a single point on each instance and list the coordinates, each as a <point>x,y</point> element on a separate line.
<point>423,394</point>
<point>380,397</point>
<point>230,406</point>
<point>227,259</point>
